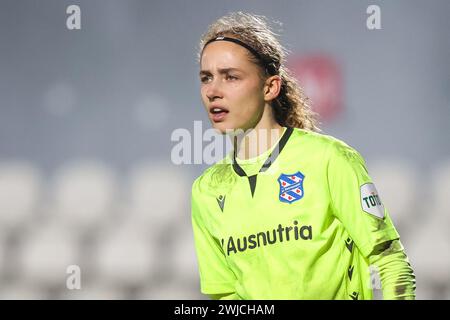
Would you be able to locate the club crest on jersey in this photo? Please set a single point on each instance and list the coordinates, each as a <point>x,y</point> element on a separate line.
<point>291,187</point>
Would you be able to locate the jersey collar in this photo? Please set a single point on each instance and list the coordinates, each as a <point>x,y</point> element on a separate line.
<point>270,159</point>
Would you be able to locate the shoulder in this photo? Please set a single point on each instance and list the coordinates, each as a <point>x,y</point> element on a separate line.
<point>320,140</point>
<point>214,178</point>
<point>331,146</point>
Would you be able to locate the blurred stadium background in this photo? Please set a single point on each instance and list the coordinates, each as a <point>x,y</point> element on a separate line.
<point>86,117</point>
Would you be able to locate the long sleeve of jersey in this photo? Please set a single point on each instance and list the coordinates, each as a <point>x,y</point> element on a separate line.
<point>396,275</point>
<point>369,224</point>
<point>226,296</point>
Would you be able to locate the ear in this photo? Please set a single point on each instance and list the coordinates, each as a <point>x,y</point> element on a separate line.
<point>272,88</point>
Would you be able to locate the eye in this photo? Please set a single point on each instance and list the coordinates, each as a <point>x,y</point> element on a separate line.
<point>205,79</point>
<point>230,77</point>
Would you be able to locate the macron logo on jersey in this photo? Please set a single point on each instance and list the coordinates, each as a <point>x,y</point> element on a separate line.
<point>291,187</point>
<point>221,202</point>
<point>370,201</point>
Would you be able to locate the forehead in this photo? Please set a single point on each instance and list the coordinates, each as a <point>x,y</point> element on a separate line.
<point>224,53</point>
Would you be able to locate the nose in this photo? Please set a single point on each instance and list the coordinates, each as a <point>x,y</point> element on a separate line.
<point>213,90</point>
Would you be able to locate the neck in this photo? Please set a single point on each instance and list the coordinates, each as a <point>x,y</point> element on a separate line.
<point>257,140</point>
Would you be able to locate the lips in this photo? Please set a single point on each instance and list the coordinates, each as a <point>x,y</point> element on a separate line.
<point>218,113</point>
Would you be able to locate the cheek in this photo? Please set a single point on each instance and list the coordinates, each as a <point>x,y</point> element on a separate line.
<point>203,96</point>
<point>250,96</point>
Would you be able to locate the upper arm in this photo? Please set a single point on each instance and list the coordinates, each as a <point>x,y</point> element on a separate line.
<point>355,200</point>
<point>216,277</point>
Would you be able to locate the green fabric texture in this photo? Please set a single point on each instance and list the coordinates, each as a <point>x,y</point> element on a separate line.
<point>319,246</point>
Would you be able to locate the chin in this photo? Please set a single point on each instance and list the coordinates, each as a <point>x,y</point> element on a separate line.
<point>227,128</point>
<point>221,127</point>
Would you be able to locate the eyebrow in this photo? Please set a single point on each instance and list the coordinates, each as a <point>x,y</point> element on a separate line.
<point>221,71</point>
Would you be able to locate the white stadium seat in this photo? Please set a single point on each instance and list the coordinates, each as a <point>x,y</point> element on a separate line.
<point>173,290</point>
<point>397,184</point>
<point>157,195</point>
<point>94,291</point>
<point>418,204</point>
<point>44,255</point>
<point>125,256</point>
<point>22,291</point>
<point>3,262</point>
<point>20,192</point>
<point>429,254</point>
<point>426,291</point>
<point>83,195</point>
<point>440,190</point>
<point>447,293</point>
<point>183,257</point>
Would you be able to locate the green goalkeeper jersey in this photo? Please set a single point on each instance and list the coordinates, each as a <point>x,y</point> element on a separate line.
<point>298,222</point>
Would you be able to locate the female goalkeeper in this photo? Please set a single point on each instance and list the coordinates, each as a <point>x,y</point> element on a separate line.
<point>291,213</point>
